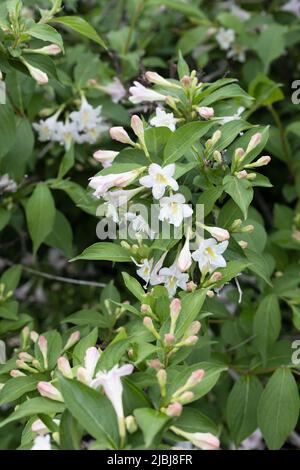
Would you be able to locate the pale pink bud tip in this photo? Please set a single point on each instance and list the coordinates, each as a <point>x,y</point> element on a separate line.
<point>43,343</point>
<point>254,141</point>
<point>148,323</point>
<point>16,373</point>
<point>119,134</point>
<point>191,341</point>
<point>175,307</point>
<point>169,339</point>
<point>217,276</point>
<point>195,377</point>
<point>49,391</point>
<point>64,367</point>
<point>174,410</point>
<point>137,126</point>
<point>242,174</point>
<point>145,308</point>
<point>191,286</point>
<point>206,112</point>
<point>155,364</point>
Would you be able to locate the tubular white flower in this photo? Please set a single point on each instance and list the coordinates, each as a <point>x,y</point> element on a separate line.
<point>159,178</point>
<point>52,49</point>
<point>140,94</point>
<point>173,209</point>
<point>203,440</point>
<point>47,128</point>
<point>115,89</point>
<point>163,119</point>
<point>209,255</point>
<point>112,385</point>
<point>106,157</point>
<point>103,183</point>
<point>173,278</point>
<point>235,117</point>
<point>91,359</point>
<point>42,443</point>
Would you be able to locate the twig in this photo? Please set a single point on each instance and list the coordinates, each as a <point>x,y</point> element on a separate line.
<point>52,277</point>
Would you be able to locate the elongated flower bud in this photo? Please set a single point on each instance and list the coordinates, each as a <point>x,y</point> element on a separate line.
<point>220,234</point>
<point>64,367</point>
<point>74,337</point>
<point>25,356</point>
<point>47,390</point>
<point>190,341</point>
<point>191,286</point>
<point>131,424</point>
<point>43,345</point>
<point>206,112</point>
<point>118,133</point>
<point>162,381</point>
<point>186,397</point>
<point>243,244</point>
<point>39,76</point>
<point>174,410</point>
<point>194,378</point>
<point>169,339</point>
<point>185,257</point>
<point>254,142</point>
<point>34,336</point>
<point>154,77</point>
<point>16,373</point>
<point>194,328</point>
<point>262,161</point>
<point>155,364</point>
<point>52,49</point>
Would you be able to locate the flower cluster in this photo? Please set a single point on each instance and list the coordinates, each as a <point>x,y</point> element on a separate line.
<point>83,126</point>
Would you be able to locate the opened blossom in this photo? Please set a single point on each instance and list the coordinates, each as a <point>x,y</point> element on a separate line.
<point>173,209</point>
<point>209,255</point>
<point>47,128</point>
<point>148,270</point>
<point>225,37</point>
<point>174,278</point>
<point>115,89</point>
<point>140,94</point>
<point>163,119</point>
<point>42,442</point>
<point>159,179</point>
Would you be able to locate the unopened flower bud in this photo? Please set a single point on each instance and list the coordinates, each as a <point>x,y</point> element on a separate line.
<point>25,334</point>
<point>241,175</point>
<point>64,367</point>
<point>191,286</point>
<point>186,81</point>
<point>119,134</point>
<point>185,257</point>
<point>210,294</point>
<point>137,127</point>
<point>186,397</point>
<point>146,308</point>
<point>195,378</point>
<point>243,244</point>
<point>190,341</point>
<point>216,137</point>
<point>43,345</point>
<point>16,373</point>
<point>25,356</point>
<point>169,339</point>
<point>131,424</point>
<point>217,156</point>
<point>162,377</point>
<point>52,49</point>
<point>220,234</point>
<point>236,224</point>
<point>239,154</point>
<point>215,277</point>
<point>247,229</point>
<point>46,389</point>
<point>194,328</point>
<point>206,112</point>
<point>262,161</point>
<point>74,337</point>
<point>155,364</point>
<point>254,142</point>
<point>82,375</point>
<point>34,336</point>
<point>154,77</point>
<point>174,410</point>
<point>175,308</point>
<point>38,75</point>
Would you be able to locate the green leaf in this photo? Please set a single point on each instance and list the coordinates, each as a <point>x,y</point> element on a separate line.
<point>183,138</point>
<point>81,26</point>
<point>61,236</point>
<point>230,91</point>
<point>32,407</point>
<point>45,32</point>
<point>16,387</point>
<point>152,423</point>
<point>69,432</point>
<point>11,278</point>
<point>67,162</point>
<point>191,305</point>
<point>133,286</point>
<point>105,251</point>
<point>267,323</point>
<point>265,91</point>
<point>91,409</point>
<point>241,192</point>
<point>4,218</point>
<point>270,44</point>
<point>89,317</point>
<point>40,214</point>
<point>192,420</point>
<point>242,407</point>
<point>8,128</point>
<point>182,66</point>
<point>209,198</point>
<point>278,408</point>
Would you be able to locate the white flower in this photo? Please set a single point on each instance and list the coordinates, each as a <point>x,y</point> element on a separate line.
<point>237,52</point>
<point>7,185</point>
<point>173,209</point>
<point>173,278</point>
<point>112,385</point>
<point>163,119</point>
<point>103,183</point>
<point>66,133</point>
<point>140,225</point>
<point>87,117</point>
<point>47,128</point>
<point>106,157</point>
<point>203,440</point>
<point>209,255</point>
<point>220,234</point>
<point>148,272</point>
<point>115,89</point>
<point>253,442</point>
<point>92,135</point>
<point>41,443</point>
<point>52,49</point>
<point>159,178</point>
<point>240,13</point>
<point>86,374</point>
<point>293,6</point>
<point>225,37</point>
<point>139,94</point>
<point>235,117</point>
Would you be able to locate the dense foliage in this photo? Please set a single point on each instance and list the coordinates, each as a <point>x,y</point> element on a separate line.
<point>150,224</point>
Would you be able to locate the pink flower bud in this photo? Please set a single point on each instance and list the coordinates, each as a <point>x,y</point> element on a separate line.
<point>254,141</point>
<point>220,234</point>
<point>64,367</point>
<point>174,410</point>
<point>43,345</point>
<point>175,308</point>
<point>195,378</point>
<point>186,397</point>
<point>242,175</point>
<point>262,161</point>
<point>137,126</point>
<point>105,157</point>
<point>145,308</point>
<point>210,294</point>
<point>194,328</point>
<point>16,373</point>
<point>186,81</point>
<point>46,389</point>
<point>238,154</point>
<point>148,323</point>
<point>215,277</point>
<point>82,375</point>
<point>243,244</point>
<point>162,377</point>
<point>206,112</point>
<point>74,337</point>
<point>157,79</point>
<point>169,339</point>
<point>131,424</point>
<point>119,134</point>
<point>52,49</point>
<point>191,286</point>
<point>34,336</point>
<point>25,356</point>
<point>191,341</point>
<point>155,364</point>
<point>39,76</point>
<point>216,137</point>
